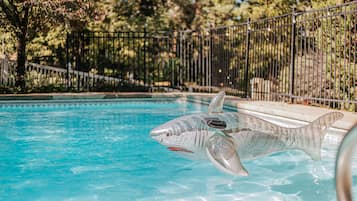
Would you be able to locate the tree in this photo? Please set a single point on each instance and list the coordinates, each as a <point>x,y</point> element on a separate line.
<point>27,18</point>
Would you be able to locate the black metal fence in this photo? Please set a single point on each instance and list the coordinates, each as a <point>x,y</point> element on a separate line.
<point>137,59</point>
<point>306,57</point>
<point>252,59</point>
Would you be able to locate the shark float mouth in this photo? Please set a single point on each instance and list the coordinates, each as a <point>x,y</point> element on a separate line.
<point>228,138</point>
<point>179,149</point>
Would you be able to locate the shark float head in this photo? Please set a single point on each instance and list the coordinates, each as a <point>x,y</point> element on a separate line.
<point>170,133</point>
<point>200,136</point>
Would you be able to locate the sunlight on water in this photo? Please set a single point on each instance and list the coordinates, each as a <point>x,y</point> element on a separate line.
<point>104,152</point>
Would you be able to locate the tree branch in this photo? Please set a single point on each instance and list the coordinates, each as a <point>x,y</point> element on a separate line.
<point>11,13</point>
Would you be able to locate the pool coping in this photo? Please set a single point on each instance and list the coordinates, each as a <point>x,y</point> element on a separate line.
<point>293,112</point>
<point>90,95</point>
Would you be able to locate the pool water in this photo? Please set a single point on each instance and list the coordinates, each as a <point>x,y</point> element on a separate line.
<point>102,151</point>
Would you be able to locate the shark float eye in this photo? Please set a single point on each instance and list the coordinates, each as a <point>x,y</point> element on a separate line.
<point>216,123</point>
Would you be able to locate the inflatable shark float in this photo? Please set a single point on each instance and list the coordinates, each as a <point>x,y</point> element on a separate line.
<point>227,138</point>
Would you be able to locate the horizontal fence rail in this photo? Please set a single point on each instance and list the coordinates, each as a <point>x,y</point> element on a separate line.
<point>38,77</point>
<point>302,57</point>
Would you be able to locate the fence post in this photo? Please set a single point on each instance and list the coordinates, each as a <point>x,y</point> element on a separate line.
<point>67,63</point>
<point>145,67</point>
<point>2,63</point>
<point>292,59</point>
<point>182,62</point>
<point>246,71</point>
<point>172,51</point>
<point>78,59</point>
<point>211,54</point>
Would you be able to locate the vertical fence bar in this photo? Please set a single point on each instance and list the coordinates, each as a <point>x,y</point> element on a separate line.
<point>292,60</point>
<point>171,52</point>
<point>2,63</point>
<point>209,60</point>
<point>67,62</point>
<point>78,59</point>
<point>246,72</point>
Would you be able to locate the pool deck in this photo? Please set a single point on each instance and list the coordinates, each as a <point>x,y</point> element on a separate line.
<point>294,112</point>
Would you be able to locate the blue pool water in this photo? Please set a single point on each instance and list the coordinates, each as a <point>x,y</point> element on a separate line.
<point>102,151</point>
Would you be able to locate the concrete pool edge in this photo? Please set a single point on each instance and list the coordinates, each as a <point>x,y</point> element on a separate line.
<point>291,112</point>
<point>90,95</point>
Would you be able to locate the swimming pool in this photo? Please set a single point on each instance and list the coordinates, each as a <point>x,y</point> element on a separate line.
<point>101,150</point>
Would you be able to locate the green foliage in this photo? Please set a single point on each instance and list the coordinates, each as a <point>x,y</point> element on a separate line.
<point>7,90</point>
<point>52,88</point>
<point>49,48</point>
<point>161,15</point>
<point>47,36</point>
<point>258,9</point>
<point>7,43</point>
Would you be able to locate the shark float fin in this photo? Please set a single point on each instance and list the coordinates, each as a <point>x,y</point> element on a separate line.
<point>216,105</point>
<point>221,151</point>
<point>312,135</point>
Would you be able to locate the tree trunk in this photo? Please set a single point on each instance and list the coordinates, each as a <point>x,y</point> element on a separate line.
<point>21,50</point>
<point>21,61</point>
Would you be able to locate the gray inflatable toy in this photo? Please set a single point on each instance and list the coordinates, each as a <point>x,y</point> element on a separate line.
<point>227,138</point>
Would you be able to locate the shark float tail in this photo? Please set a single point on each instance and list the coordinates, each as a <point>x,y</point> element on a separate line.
<point>309,138</point>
